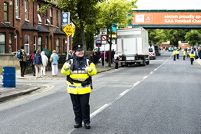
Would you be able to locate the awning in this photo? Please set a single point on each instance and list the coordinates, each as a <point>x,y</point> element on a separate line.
<point>42,29</point>
<point>5,25</point>
<point>27,26</point>
<point>58,31</point>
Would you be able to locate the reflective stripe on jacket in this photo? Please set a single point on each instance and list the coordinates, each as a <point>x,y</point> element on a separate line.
<point>77,88</point>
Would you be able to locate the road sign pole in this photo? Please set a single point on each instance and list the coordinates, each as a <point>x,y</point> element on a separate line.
<point>68,38</point>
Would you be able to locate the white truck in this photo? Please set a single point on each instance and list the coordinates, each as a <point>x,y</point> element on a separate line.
<point>132,47</point>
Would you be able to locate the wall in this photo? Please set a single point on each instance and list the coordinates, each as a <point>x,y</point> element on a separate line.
<point>8,60</point>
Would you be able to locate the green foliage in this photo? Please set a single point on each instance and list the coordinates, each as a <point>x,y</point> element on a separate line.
<point>114,11</point>
<point>193,37</point>
<point>83,15</point>
<point>156,37</point>
<point>173,35</point>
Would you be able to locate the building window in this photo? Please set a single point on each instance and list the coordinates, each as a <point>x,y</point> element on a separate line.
<point>57,16</point>
<point>26,3</point>
<point>26,44</point>
<point>57,45</point>
<point>11,38</point>
<point>51,15</point>
<point>39,42</point>
<point>34,42</point>
<point>17,9</point>
<point>39,14</point>
<point>2,42</point>
<point>46,42</point>
<point>5,11</point>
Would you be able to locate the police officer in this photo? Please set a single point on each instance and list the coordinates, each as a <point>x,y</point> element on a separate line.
<point>79,70</point>
<point>184,54</point>
<point>174,53</point>
<point>192,56</point>
<point>177,52</point>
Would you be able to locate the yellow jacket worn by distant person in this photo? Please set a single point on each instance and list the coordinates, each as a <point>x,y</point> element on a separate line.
<point>78,73</point>
<point>192,55</point>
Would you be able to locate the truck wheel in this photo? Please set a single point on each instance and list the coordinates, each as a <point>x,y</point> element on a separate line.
<point>144,63</point>
<point>147,62</point>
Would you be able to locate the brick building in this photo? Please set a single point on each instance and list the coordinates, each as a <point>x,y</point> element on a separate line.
<point>21,24</point>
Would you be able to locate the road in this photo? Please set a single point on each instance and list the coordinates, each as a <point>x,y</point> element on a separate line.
<point>161,98</point>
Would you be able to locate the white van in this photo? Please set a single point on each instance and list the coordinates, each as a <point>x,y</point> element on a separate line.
<point>152,53</point>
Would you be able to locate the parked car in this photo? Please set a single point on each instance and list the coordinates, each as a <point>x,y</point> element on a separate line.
<point>157,50</point>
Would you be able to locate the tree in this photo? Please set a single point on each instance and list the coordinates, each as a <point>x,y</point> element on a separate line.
<point>156,36</point>
<point>113,11</point>
<point>83,14</point>
<point>193,37</point>
<point>175,35</point>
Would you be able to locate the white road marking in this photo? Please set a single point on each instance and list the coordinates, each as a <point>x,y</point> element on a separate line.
<point>145,77</point>
<point>99,110</point>
<point>124,92</point>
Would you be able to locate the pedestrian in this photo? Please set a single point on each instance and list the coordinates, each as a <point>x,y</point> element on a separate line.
<point>44,63</point>
<point>174,53</point>
<point>79,71</point>
<point>192,56</point>
<point>54,58</point>
<point>177,53</point>
<point>31,60</point>
<point>38,63</point>
<point>112,56</point>
<point>184,54</point>
<point>103,58</point>
<point>22,57</point>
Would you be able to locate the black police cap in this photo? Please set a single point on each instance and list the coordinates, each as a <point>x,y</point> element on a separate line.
<point>78,47</point>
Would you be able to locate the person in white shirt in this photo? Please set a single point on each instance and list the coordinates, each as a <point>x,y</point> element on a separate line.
<point>44,63</point>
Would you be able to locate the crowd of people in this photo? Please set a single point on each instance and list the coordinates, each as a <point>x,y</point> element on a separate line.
<point>192,53</point>
<point>102,57</point>
<point>38,62</point>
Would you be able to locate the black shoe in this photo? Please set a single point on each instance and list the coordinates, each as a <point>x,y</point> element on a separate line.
<point>87,126</point>
<point>77,125</point>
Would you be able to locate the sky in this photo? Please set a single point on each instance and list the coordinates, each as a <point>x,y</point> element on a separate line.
<point>169,4</point>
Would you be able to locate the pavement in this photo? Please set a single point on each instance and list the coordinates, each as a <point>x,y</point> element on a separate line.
<point>22,89</point>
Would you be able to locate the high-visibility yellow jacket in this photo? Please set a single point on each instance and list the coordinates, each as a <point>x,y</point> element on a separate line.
<point>77,88</point>
<point>177,51</point>
<point>174,52</point>
<point>192,55</point>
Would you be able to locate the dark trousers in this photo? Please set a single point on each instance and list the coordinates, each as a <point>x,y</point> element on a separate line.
<point>81,107</point>
<point>192,59</point>
<point>23,67</point>
<point>33,69</point>
<point>177,56</point>
<point>174,57</point>
<point>184,57</point>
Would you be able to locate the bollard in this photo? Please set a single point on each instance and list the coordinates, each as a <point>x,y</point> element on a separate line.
<point>9,77</point>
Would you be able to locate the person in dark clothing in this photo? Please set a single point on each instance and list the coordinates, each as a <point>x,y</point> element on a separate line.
<point>112,55</point>
<point>31,60</point>
<point>23,61</point>
<point>102,58</point>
